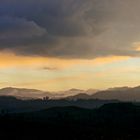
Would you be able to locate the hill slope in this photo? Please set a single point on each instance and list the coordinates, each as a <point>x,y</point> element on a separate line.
<point>121,94</point>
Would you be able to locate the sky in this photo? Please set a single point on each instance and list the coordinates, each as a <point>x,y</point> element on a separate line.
<point>63,44</point>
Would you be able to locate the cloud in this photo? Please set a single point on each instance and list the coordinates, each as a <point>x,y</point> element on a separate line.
<point>16,31</point>
<point>19,28</point>
<point>50,68</point>
<point>70,29</point>
<point>9,61</point>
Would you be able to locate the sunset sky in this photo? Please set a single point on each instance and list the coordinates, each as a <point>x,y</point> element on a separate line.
<point>62,44</point>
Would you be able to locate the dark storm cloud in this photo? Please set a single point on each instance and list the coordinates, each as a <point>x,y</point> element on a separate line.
<point>19,28</point>
<point>69,28</point>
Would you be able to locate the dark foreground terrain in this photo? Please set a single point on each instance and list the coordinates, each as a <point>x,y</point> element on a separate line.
<point>11,104</point>
<point>116,121</point>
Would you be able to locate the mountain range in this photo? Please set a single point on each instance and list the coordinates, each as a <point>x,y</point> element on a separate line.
<point>23,93</point>
<point>119,93</point>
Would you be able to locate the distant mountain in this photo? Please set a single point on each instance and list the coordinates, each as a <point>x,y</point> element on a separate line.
<point>91,91</point>
<point>23,93</point>
<point>119,88</point>
<point>119,93</point>
<point>122,94</point>
<point>79,96</point>
<point>66,93</point>
<point>74,92</point>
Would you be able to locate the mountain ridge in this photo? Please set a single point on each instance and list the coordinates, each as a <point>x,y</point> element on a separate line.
<point>35,93</point>
<point>116,93</point>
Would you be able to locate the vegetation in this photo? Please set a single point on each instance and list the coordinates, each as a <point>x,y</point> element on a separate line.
<point>114,121</point>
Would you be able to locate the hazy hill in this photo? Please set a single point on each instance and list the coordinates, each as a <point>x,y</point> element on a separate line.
<point>72,112</point>
<point>23,93</point>
<point>11,104</point>
<point>121,94</point>
<point>79,96</point>
<point>33,93</point>
<point>73,92</point>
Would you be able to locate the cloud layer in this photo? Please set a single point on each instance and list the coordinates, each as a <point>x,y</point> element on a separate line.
<point>70,29</point>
